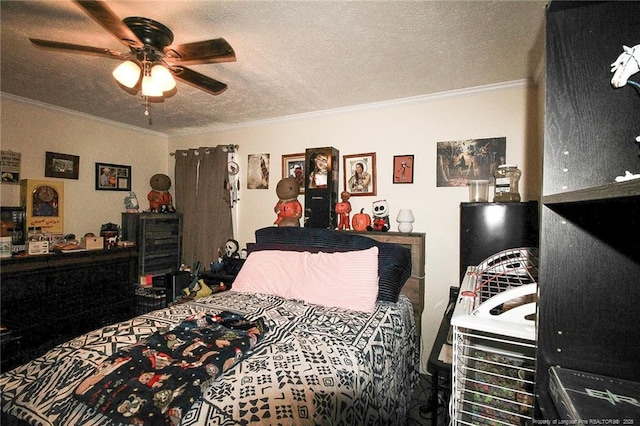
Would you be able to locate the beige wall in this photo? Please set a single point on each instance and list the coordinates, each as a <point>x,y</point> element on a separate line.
<point>412,126</point>
<point>32,129</point>
<point>404,127</point>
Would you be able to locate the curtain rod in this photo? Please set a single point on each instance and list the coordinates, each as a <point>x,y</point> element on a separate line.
<point>225,148</point>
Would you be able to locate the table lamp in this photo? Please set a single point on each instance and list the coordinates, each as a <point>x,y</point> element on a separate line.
<point>405,220</point>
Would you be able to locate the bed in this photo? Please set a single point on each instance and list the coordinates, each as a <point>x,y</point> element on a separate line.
<point>320,346</point>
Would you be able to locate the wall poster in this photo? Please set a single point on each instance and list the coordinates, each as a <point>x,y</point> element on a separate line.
<point>10,167</point>
<point>458,162</point>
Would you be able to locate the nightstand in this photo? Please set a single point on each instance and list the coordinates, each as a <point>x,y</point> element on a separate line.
<point>439,363</point>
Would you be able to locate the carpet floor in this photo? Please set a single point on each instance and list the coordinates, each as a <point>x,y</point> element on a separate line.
<point>420,411</point>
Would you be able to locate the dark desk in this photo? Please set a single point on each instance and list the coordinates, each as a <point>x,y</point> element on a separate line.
<point>438,369</point>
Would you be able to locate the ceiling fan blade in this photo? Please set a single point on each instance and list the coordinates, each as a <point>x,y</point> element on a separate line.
<point>104,16</point>
<point>77,48</point>
<point>201,52</point>
<point>199,81</point>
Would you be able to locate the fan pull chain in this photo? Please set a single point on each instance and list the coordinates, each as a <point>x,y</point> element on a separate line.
<point>146,109</point>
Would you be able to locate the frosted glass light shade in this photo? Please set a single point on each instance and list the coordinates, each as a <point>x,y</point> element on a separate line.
<point>150,87</point>
<point>162,77</point>
<point>405,215</point>
<point>405,219</point>
<point>127,74</point>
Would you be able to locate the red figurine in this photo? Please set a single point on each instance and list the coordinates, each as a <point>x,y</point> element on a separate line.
<point>343,209</point>
<point>288,208</point>
<point>160,200</point>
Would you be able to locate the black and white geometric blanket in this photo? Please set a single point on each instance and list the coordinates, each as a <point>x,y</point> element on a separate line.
<point>316,365</point>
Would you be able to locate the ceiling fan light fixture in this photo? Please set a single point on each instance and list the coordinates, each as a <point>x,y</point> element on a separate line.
<point>150,87</point>
<point>162,77</point>
<point>127,73</point>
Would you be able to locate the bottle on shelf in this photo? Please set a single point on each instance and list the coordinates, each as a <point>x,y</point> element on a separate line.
<point>506,187</point>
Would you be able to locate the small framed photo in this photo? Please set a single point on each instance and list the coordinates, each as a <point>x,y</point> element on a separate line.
<point>61,165</point>
<point>113,177</point>
<point>293,166</point>
<point>258,167</point>
<point>360,174</point>
<point>403,169</point>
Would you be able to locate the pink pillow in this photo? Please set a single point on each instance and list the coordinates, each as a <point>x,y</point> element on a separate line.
<point>346,280</point>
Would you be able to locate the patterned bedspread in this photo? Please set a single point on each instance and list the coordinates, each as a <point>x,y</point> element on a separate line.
<point>315,365</point>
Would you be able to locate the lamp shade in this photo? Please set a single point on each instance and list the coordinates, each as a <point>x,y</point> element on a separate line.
<point>405,220</point>
<point>150,87</point>
<point>127,74</point>
<point>162,77</point>
<point>405,215</point>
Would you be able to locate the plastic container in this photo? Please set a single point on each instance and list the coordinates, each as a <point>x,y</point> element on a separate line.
<point>478,191</point>
<point>507,179</point>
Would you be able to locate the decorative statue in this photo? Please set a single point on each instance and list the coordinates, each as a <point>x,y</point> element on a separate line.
<point>131,203</point>
<point>627,64</point>
<point>231,249</point>
<point>288,208</point>
<point>343,209</point>
<point>380,216</point>
<point>160,200</point>
<point>320,171</point>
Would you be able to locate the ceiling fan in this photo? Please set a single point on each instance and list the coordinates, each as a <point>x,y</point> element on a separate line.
<point>152,61</point>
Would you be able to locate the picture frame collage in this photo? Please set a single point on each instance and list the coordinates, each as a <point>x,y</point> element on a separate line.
<point>108,176</point>
<point>360,171</point>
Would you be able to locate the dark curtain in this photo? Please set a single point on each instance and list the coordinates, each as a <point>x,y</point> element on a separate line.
<point>202,198</point>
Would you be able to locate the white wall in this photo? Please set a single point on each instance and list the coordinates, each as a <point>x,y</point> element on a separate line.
<point>412,126</point>
<point>33,129</point>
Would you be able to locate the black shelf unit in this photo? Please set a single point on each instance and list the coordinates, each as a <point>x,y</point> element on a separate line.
<point>589,250</point>
<point>158,237</point>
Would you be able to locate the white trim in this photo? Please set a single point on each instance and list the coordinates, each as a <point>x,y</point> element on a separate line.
<point>80,114</point>
<point>374,105</point>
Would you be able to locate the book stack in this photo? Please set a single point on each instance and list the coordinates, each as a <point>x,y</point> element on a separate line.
<point>588,398</point>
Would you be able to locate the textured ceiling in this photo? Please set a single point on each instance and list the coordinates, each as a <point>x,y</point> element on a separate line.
<point>293,57</point>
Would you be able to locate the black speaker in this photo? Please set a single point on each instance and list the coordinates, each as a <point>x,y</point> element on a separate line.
<point>321,188</point>
<point>175,282</point>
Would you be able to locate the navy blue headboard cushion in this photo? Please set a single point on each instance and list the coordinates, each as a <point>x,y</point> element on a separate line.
<point>394,261</point>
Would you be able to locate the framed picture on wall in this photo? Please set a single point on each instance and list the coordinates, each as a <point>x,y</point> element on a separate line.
<point>61,165</point>
<point>360,174</point>
<point>460,161</point>
<point>293,166</point>
<point>258,171</point>
<point>113,177</point>
<point>403,169</point>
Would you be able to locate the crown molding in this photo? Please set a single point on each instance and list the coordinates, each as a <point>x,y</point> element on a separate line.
<point>304,116</point>
<point>374,105</point>
<point>79,114</point>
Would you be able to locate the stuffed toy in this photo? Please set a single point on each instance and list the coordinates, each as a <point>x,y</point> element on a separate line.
<point>343,209</point>
<point>380,216</point>
<point>288,208</point>
<point>160,200</point>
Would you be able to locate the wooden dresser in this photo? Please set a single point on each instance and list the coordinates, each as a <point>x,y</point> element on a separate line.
<point>414,287</point>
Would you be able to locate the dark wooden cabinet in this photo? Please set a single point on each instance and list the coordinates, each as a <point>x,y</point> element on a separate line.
<point>49,299</point>
<point>159,240</point>
<point>589,248</point>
